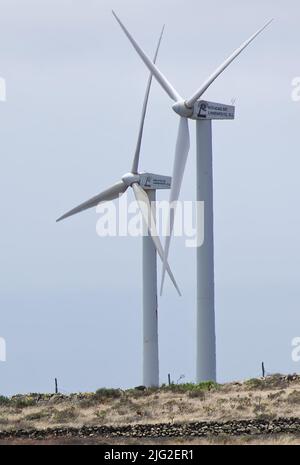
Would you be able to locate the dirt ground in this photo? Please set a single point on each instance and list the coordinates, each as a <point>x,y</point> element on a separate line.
<point>243,440</point>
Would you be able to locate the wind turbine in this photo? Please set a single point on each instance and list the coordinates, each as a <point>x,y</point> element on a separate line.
<point>203,112</point>
<point>144,186</point>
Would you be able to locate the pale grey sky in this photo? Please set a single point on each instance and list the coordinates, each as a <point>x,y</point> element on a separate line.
<point>71,301</point>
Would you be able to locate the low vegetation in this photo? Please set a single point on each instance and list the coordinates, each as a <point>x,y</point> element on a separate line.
<point>272,397</point>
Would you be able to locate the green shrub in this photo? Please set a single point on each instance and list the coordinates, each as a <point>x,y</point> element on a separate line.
<point>108,393</point>
<point>294,397</point>
<point>89,402</point>
<point>4,400</point>
<point>276,395</point>
<point>37,415</point>
<point>101,414</point>
<point>195,393</point>
<point>255,383</point>
<point>275,381</point>
<point>191,387</point>
<point>23,401</point>
<point>4,421</point>
<point>135,393</point>
<point>65,415</point>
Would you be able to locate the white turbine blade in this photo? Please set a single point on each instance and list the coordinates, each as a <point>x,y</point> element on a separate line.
<point>190,102</point>
<point>173,94</point>
<point>181,154</point>
<point>145,207</point>
<point>135,164</point>
<point>109,194</point>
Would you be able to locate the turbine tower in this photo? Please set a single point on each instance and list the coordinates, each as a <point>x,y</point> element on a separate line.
<point>203,112</point>
<point>144,186</point>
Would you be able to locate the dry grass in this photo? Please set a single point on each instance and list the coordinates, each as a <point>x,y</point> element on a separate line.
<point>271,398</point>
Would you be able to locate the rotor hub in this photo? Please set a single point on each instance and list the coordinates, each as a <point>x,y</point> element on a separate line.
<point>182,109</point>
<point>130,178</point>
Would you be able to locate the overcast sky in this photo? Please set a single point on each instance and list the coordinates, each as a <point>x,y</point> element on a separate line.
<point>71,301</point>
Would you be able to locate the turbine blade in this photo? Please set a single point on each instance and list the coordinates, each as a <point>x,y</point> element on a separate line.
<point>135,164</point>
<point>191,101</point>
<point>162,80</point>
<point>181,154</point>
<point>146,210</point>
<point>109,194</point>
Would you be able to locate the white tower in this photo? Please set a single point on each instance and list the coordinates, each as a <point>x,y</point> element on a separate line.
<point>206,334</point>
<point>150,184</point>
<point>150,315</point>
<point>204,113</point>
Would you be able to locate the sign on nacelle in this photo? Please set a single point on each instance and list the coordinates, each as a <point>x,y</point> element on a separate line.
<point>210,110</point>
<point>155,181</point>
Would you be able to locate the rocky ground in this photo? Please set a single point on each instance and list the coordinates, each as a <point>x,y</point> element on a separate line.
<point>256,410</point>
<point>165,430</point>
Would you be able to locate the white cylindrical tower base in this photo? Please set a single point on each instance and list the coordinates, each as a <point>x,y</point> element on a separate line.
<point>206,337</point>
<point>150,317</point>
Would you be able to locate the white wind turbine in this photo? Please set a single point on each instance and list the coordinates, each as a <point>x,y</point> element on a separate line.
<point>203,112</point>
<point>144,186</point>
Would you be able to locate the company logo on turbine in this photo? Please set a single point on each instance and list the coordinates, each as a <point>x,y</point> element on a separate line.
<point>125,218</point>
<point>211,110</point>
<point>2,350</point>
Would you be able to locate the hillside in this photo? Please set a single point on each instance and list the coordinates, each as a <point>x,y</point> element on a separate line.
<point>275,399</point>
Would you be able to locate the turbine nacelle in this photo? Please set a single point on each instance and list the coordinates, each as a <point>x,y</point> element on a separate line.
<point>202,109</point>
<point>152,181</point>
<point>147,180</point>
